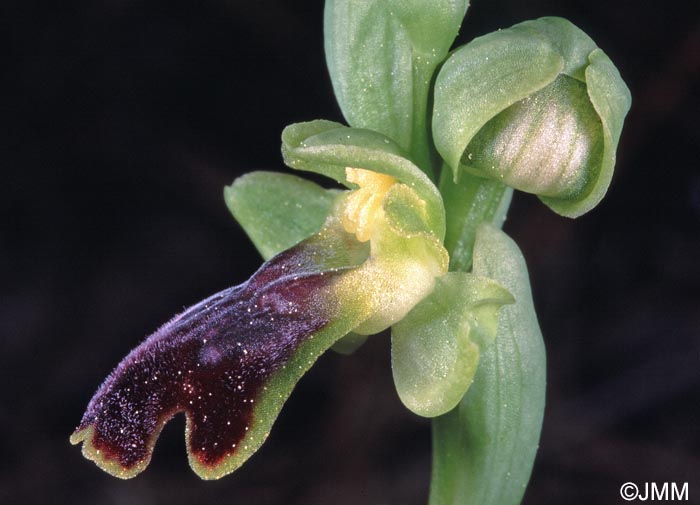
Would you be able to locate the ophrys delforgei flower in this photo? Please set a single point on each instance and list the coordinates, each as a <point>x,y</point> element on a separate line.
<point>373,258</point>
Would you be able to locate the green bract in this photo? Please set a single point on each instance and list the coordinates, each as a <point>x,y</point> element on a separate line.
<point>538,107</point>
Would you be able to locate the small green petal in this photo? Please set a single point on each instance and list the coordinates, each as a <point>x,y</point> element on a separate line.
<point>277,210</point>
<point>403,263</point>
<point>435,348</point>
<point>406,213</point>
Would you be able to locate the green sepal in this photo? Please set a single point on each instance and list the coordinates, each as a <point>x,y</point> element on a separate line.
<point>369,60</point>
<point>278,210</point>
<point>435,349</point>
<point>381,55</point>
<point>431,26</point>
<point>482,80</point>
<point>484,449</point>
<point>328,148</point>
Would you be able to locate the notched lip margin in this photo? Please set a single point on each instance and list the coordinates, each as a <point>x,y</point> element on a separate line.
<point>110,465</point>
<point>227,464</point>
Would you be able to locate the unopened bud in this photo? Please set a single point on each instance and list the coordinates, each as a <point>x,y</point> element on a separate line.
<point>537,106</point>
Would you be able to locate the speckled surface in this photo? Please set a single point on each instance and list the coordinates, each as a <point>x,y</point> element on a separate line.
<point>211,362</point>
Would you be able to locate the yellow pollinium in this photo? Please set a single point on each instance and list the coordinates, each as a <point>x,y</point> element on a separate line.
<point>363,204</point>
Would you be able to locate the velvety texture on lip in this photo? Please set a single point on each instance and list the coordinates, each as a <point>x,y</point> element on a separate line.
<point>211,362</point>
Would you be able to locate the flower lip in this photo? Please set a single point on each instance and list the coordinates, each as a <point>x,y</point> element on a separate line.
<point>231,361</point>
<point>212,362</point>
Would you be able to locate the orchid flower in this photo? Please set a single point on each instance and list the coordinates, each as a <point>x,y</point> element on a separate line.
<point>231,361</point>
<point>437,141</point>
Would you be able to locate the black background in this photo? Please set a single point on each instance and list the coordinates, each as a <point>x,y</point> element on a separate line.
<point>123,120</point>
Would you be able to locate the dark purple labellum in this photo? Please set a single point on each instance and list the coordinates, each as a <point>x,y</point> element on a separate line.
<point>210,362</point>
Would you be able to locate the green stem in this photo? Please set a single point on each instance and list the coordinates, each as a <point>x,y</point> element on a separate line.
<point>468,203</point>
<point>423,69</point>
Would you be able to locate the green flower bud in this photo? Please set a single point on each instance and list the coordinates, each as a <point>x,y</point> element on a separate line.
<point>537,106</point>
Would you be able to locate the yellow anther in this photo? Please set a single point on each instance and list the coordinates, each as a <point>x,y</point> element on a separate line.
<point>363,204</point>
